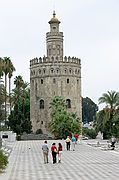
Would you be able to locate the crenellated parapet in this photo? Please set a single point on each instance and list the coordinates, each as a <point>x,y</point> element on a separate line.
<point>53,59</point>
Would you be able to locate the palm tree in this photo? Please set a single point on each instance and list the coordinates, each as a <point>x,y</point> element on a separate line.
<point>10,74</point>
<point>6,71</point>
<point>1,67</point>
<point>111,99</point>
<point>18,82</point>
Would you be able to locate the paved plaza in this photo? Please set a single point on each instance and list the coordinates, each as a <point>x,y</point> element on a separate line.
<point>85,163</point>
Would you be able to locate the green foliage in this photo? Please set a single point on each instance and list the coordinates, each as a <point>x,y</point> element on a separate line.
<point>107,120</point>
<point>91,133</point>
<point>89,109</point>
<point>62,123</point>
<point>3,160</point>
<point>19,120</point>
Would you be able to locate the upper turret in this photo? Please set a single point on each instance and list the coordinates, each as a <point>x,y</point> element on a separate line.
<point>54,19</point>
<point>54,39</point>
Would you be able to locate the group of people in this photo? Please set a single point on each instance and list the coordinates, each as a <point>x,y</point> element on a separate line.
<point>71,141</point>
<point>57,151</point>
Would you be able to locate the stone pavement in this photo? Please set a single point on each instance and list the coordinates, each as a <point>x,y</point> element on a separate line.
<point>85,163</point>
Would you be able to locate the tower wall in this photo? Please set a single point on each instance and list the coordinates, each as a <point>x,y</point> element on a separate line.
<point>49,79</point>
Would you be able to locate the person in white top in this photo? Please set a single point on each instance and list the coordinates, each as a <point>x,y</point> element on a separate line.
<point>45,150</point>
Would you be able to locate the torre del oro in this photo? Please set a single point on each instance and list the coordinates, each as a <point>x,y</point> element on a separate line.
<point>54,75</point>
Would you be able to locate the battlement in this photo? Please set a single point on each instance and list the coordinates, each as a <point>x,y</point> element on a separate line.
<point>66,59</point>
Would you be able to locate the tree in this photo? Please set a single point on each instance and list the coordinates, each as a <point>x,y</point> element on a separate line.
<point>1,67</point>
<point>2,95</point>
<point>105,118</point>
<point>89,109</point>
<point>10,74</point>
<point>6,71</point>
<point>62,122</point>
<point>19,120</point>
<point>112,101</point>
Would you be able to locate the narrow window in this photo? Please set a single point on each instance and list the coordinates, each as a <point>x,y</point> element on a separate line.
<point>68,103</point>
<point>36,87</point>
<point>41,81</point>
<point>67,80</point>
<point>54,80</point>
<point>41,122</point>
<point>44,71</point>
<point>39,71</point>
<point>41,104</point>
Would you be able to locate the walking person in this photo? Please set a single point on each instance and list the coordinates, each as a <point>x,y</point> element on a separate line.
<point>54,153</point>
<point>59,152</point>
<point>73,140</point>
<point>68,143</point>
<point>45,150</point>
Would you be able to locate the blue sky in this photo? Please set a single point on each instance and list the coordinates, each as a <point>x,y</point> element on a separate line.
<point>91,32</point>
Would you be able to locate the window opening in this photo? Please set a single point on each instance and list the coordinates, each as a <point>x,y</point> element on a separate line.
<point>67,80</point>
<point>68,103</point>
<point>41,104</point>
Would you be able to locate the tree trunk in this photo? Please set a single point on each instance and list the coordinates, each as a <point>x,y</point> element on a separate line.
<point>5,99</point>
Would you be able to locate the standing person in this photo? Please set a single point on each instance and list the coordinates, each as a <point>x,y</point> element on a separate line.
<point>54,153</point>
<point>113,141</point>
<point>73,140</point>
<point>45,150</point>
<point>68,143</point>
<point>76,137</point>
<point>59,152</point>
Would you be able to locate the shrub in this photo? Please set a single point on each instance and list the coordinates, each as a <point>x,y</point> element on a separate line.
<point>91,133</point>
<point>3,160</point>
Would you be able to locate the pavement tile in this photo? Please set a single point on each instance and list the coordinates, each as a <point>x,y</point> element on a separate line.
<point>85,163</point>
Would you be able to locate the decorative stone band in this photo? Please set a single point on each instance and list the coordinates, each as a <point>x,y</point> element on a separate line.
<point>55,60</point>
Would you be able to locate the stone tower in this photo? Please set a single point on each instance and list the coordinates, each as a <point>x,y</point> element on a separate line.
<point>53,75</point>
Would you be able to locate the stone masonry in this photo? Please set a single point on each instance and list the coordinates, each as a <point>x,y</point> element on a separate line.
<point>53,75</point>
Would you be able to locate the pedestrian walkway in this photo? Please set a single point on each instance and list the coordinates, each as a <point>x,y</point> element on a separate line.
<point>85,163</point>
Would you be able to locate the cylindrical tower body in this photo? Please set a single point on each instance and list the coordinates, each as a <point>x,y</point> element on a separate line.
<point>54,76</point>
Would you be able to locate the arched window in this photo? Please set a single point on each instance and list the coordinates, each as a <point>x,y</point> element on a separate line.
<point>41,104</point>
<point>41,81</point>
<point>67,80</point>
<point>68,103</point>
